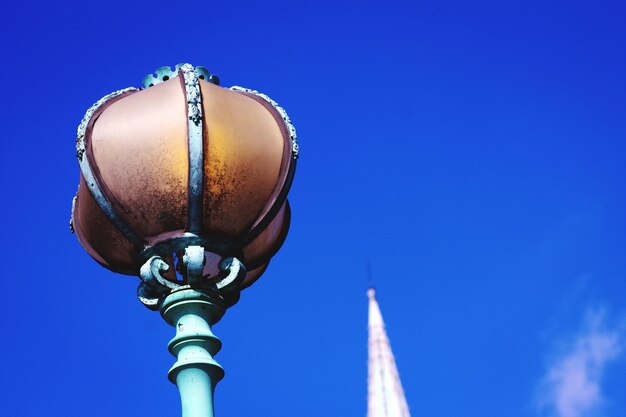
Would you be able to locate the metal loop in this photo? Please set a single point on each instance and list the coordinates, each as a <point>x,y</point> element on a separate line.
<point>153,286</point>
<point>148,297</point>
<point>232,273</point>
<point>150,273</point>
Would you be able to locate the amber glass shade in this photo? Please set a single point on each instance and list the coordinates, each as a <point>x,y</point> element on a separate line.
<point>138,149</point>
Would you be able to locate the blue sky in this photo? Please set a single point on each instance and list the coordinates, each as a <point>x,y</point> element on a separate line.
<point>473,152</point>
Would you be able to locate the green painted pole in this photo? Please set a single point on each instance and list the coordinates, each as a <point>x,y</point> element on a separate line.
<point>192,312</point>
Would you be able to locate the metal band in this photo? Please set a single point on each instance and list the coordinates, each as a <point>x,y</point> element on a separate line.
<point>195,135</point>
<point>196,156</point>
<point>87,171</point>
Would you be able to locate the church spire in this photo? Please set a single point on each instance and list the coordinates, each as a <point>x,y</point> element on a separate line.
<point>385,396</point>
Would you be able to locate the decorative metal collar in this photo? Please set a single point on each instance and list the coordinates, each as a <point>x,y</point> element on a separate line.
<point>165,73</point>
<point>154,287</point>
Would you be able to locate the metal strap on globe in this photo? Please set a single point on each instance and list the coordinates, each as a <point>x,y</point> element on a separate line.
<point>190,76</point>
<point>88,175</point>
<point>195,140</point>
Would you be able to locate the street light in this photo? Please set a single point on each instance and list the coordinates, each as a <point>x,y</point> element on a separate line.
<point>184,183</point>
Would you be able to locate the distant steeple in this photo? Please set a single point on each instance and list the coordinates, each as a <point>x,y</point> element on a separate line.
<point>385,396</point>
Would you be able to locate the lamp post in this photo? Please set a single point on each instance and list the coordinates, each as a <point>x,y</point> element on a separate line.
<point>184,183</point>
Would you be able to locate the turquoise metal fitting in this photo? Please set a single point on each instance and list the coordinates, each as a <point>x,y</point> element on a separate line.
<point>165,73</point>
<point>195,372</point>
